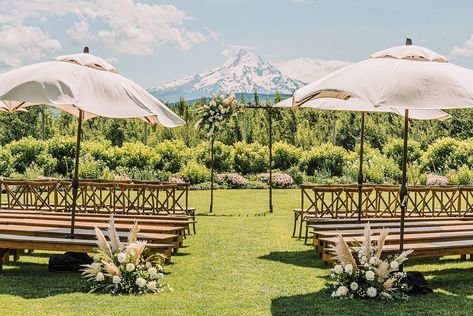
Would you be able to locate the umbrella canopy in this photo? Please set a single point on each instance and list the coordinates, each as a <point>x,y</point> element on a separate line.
<point>402,77</point>
<point>84,82</point>
<point>85,86</point>
<point>358,105</point>
<point>8,106</point>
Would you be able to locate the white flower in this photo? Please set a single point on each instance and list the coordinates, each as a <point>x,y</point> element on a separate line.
<point>394,265</point>
<point>373,261</point>
<point>369,275</point>
<point>153,273</point>
<point>140,282</point>
<point>342,291</point>
<point>349,268</point>
<point>354,286</point>
<point>363,260</point>
<point>96,265</point>
<point>100,277</point>
<point>152,285</point>
<point>338,269</point>
<point>130,267</point>
<point>148,265</point>
<point>116,279</point>
<point>371,292</point>
<point>121,257</point>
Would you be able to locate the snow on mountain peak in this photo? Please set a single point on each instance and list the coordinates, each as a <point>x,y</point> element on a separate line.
<point>242,72</point>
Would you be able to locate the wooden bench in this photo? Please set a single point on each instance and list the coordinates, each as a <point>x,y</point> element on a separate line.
<point>426,249</point>
<point>179,222</point>
<point>12,243</point>
<point>40,231</point>
<point>80,224</point>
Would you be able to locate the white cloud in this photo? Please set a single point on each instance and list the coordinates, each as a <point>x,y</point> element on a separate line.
<point>127,26</point>
<point>466,50</point>
<point>308,69</point>
<point>24,42</point>
<point>135,28</point>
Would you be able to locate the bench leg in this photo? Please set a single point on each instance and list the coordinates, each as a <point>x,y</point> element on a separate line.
<point>462,257</point>
<point>3,253</point>
<point>296,217</point>
<point>300,225</point>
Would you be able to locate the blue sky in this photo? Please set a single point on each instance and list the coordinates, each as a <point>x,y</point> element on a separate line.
<point>153,42</point>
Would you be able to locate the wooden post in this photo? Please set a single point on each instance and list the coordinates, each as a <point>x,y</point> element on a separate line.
<point>43,128</point>
<point>360,170</point>
<point>75,179</point>
<point>211,174</point>
<point>403,192</point>
<point>145,133</point>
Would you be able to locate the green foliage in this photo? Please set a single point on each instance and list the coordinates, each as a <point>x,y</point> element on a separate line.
<point>172,155</point>
<point>441,155</point>
<point>29,150</point>
<point>195,172</point>
<point>462,176</point>
<point>133,155</point>
<point>326,157</point>
<point>63,149</point>
<point>394,149</point>
<point>223,155</point>
<point>285,156</point>
<point>89,168</point>
<point>6,162</point>
<point>250,158</point>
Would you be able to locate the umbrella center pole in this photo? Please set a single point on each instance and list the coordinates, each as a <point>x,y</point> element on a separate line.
<point>360,170</point>
<point>75,179</point>
<point>403,192</point>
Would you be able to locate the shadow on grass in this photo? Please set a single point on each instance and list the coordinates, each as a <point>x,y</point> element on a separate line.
<point>453,295</point>
<point>305,258</point>
<point>33,280</point>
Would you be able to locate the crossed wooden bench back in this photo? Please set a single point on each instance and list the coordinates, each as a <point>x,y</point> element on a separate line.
<point>96,196</point>
<point>382,201</point>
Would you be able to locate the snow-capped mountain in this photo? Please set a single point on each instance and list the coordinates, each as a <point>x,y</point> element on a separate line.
<point>244,72</point>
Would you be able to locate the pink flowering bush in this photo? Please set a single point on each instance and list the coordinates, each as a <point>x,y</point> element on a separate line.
<point>280,180</point>
<point>232,180</point>
<point>435,180</point>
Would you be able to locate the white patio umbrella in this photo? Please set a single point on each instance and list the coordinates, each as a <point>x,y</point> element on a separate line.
<point>357,105</point>
<point>8,106</point>
<point>84,86</point>
<point>402,78</point>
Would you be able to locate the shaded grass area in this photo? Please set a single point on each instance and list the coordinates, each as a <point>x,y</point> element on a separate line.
<point>242,261</point>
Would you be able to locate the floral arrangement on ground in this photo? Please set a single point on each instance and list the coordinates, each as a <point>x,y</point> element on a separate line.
<point>216,113</point>
<point>361,272</point>
<point>120,268</point>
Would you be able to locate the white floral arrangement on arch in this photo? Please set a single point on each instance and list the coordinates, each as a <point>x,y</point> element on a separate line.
<point>361,272</point>
<point>124,268</point>
<point>215,113</point>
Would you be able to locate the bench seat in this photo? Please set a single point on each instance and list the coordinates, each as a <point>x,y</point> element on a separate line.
<point>18,242</point>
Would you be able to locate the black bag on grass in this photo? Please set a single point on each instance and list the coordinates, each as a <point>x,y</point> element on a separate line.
<point>69,262</point>
<point>417,283</point>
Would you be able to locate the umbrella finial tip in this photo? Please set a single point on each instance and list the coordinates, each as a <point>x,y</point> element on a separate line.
<point>86,50</point>
<point>408,41</point>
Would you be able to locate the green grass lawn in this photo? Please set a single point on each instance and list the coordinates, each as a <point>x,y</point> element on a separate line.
<point>242,261</point>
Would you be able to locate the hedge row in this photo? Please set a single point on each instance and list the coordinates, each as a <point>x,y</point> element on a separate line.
<point>30,157</point>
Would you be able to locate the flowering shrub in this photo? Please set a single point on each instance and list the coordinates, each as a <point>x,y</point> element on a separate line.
<point>280,180</point>
<point>232,180</point>
<point>214,114</point>
<point>123,268</point>
<point>433,180</point>
<point>361,273</point>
